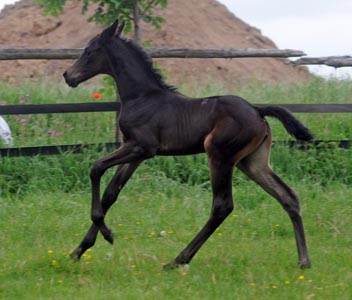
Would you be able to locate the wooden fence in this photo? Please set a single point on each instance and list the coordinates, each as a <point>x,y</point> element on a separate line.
<point>115,106</point>
<point>73,53</point>
<point>14,54</point>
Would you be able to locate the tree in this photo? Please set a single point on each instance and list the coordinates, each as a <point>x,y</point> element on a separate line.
<point>130,11</point>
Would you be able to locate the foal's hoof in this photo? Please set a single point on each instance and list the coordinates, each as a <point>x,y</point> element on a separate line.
<point>174,265</point>
<point>76,255</point>
<point>108,235</point>
<point>171,265</point>
<point>304,265</point>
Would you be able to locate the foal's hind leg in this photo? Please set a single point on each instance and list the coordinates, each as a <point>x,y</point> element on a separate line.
<point>257,167</point>
<point>123,173</point>
<point>221,175</point>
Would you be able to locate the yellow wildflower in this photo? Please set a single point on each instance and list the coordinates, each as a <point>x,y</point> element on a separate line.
<point>54,262</point>
<point>152,234</point>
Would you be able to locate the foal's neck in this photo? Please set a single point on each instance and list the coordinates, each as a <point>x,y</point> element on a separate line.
<point>133,77</point>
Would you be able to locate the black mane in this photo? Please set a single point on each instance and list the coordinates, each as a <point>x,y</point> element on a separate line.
<point>146,58</point>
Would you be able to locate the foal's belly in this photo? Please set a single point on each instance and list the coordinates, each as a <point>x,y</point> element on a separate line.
<point>181,148</point>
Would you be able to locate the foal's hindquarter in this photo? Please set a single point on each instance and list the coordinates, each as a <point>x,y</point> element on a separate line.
<point>240,137</point>
<point>236,131</point>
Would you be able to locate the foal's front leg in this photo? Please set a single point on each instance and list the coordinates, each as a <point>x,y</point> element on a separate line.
<point>122,175</point>
<point>130,152</point>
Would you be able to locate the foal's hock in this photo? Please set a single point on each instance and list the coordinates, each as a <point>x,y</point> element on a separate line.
<point>157,120</point>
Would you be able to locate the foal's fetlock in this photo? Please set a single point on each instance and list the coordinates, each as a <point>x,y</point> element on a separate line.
<point>76,255</point>
<point>108,235</point>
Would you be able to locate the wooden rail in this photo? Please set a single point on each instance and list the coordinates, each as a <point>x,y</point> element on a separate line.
<point>74,53</point>
<point>115,106</point>
<point>331,61</point>
<point>58,108</point>
<point>80,148</point>
<point>19,53</point>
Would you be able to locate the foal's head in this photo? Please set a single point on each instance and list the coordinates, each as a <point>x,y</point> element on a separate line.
<point>93,60</point>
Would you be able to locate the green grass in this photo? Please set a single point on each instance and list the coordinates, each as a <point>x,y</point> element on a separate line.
<point>99,127</point>
<point>47,129</point>
<point>45,207</point>
<point>252,256</point>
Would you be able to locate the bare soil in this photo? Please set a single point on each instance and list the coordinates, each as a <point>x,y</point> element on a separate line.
<point>189,23</point>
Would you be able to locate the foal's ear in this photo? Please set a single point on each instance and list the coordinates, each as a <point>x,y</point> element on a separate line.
<point>121,27</point>
<point>109,32</point>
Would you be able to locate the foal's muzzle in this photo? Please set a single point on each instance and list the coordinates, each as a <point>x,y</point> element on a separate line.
<point>72,82</point>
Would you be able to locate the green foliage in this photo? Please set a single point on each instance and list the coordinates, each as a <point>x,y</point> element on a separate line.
<point>323,165</point>
<point>109,87</point>
<point>46,129</point>
<point>108,10</point>
<point>54,7</point>
<point>130,11</point>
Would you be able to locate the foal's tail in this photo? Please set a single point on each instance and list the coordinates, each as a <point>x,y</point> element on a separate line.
<point>292,125</point>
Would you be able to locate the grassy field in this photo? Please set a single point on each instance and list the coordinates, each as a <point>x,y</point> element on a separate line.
<point>45,205</point>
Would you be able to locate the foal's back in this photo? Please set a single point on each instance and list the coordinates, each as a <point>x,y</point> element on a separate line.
<point>185,123</point>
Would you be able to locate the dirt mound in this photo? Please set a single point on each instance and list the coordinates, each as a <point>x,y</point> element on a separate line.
<point>189,23</point>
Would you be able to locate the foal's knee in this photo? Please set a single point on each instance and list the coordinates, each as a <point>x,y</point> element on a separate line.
<point>221,209</point>
<point>96,170</point>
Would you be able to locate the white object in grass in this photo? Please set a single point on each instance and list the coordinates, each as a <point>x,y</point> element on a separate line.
<point>5,132</point>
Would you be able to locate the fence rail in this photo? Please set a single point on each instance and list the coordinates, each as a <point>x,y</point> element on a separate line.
<point>115,106</point>
<point>80,148</point>
<point>331,61</point>
<point>59,108</point>
<point>73,53</point>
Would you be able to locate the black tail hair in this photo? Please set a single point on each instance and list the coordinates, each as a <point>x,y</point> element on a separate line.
<point>290,122</point>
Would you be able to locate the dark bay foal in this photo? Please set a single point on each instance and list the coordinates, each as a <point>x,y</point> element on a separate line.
<point>157,120</point>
